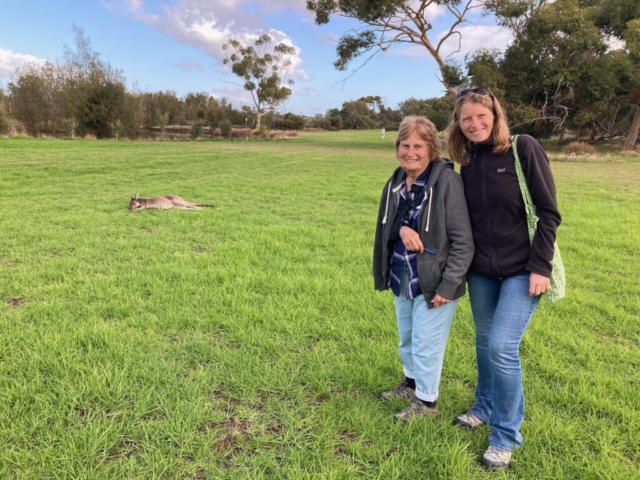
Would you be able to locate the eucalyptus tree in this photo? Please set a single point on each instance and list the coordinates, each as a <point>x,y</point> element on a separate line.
<point>264,71</point>
<point>392,22</point>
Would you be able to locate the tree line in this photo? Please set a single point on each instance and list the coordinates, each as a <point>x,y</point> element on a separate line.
<point>574,66</point>
<point>84,95</point>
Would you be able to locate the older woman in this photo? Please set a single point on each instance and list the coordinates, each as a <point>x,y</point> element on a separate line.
<point>508,273</point>
<point>423,248</point>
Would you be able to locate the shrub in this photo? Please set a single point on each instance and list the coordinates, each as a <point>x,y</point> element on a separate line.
<point>118,128</point>
<point>336,122</point>
<point>4,124</point>
<point>69,126</point>
<point>196,130</point>
<point>263,132</point>
<point>16,128</point>
<point>288,121</point>
<point>225,128</point>
<point>578,148</point>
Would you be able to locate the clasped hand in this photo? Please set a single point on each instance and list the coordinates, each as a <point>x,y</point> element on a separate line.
<point>411,241</point>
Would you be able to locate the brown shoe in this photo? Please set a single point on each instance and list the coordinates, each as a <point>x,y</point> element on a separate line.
<point>403,392</point>
<point>468,421</point>
<point>416,409</point>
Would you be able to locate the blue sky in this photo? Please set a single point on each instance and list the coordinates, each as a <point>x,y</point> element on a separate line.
<point>176,45</point>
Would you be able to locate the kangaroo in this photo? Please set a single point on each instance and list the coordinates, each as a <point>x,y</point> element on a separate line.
<point>164,203</point>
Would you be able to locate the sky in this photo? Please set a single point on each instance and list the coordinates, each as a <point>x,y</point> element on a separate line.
<point>176,45</point>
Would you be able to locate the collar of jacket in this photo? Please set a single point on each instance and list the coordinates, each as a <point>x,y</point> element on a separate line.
<point>485,146</point>
<point>438,167</point>
<point>395,183</point>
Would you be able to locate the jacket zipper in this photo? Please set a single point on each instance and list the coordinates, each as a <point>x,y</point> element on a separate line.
<point>394,202</point>
<point>485,204</point>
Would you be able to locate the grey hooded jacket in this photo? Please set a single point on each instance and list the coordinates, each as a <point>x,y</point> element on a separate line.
<point>444,229</point>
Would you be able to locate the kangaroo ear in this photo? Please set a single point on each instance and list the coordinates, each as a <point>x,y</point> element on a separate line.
<point>137,196</point>
<point>131,197</point>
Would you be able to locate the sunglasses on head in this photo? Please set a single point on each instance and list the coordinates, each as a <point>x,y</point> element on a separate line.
<point>479,91</point>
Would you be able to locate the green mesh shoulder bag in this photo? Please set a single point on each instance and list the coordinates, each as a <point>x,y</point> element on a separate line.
<point>558,277</point>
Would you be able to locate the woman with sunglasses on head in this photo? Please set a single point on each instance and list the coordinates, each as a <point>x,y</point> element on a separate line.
<point>508,272</point>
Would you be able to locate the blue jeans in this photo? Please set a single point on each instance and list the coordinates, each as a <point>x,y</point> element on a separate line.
<point>423,335</point>
<point>501,311</point>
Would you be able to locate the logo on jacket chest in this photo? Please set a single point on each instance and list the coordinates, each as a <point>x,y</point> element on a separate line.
<point>502,170</point>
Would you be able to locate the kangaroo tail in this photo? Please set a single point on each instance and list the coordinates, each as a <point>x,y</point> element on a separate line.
<point>206,205</point>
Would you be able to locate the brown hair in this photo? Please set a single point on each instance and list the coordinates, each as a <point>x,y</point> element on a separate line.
<point>459,146</point>
<point>425,129</point>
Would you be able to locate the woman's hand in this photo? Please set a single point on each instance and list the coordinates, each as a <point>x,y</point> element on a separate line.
<point>411,239</point>
<point>438,301</point>
<point>538,284</point>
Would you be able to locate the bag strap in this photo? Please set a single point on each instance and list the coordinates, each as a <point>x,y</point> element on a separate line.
<point>530,208</point>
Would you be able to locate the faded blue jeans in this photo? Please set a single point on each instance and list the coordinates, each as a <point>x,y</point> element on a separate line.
<point>423,335</point>
<point>502,310</point>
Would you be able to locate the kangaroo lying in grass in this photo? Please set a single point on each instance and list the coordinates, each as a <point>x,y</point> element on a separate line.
<point>164,203</point>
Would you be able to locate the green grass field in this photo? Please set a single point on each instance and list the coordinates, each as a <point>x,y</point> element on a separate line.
<point>246,341</point>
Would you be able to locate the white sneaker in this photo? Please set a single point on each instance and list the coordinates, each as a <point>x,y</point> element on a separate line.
<point>494,457</point>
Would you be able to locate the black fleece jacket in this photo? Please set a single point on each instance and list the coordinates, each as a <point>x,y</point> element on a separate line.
<point>498,217</point>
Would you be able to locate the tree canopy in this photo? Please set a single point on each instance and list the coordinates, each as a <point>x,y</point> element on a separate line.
<point>264,73</point>
<point>569,66</point>
<point>393,22</point>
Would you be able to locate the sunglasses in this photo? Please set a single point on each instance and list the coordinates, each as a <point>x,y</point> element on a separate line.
<point>479,91</point>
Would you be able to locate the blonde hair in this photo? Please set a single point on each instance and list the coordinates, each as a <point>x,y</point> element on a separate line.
<point>425,129</point>
<point>459,146</point>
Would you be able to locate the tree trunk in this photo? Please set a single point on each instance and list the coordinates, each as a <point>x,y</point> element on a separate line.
<point>578,133</point>
<point>612,120</point>
<point>632,137</point>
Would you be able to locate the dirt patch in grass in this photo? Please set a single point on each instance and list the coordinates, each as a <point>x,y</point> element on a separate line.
<point>17,302</point>
<point>4,261</point>
<point>153,417</point>
<point>275,428</point>
<point>234,432</point>
<point>123,449</point>
<point>83,413</point>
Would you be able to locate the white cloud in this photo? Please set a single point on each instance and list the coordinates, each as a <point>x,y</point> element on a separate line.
<point>434,11</point>
<point>209,25</point>
<point>474,37</point>
<point>10,61</point>
<point>274,5</point>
